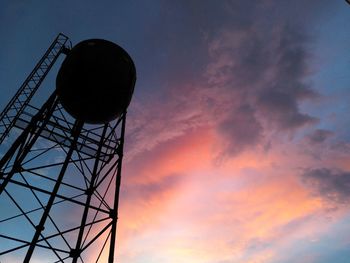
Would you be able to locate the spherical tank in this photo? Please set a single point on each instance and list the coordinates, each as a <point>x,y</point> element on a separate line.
<point>96,81</point>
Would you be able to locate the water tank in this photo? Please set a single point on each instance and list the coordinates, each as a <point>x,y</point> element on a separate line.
<point>96,81</point>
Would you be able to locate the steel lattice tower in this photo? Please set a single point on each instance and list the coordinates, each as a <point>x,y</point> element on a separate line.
<point>59,176</point>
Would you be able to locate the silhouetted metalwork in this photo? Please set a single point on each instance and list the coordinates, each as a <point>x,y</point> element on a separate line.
<point>60,177</point>
<point>84,93</point>
<point>18,103</point>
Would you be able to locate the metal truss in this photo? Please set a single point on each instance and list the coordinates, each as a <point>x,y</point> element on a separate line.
<point>63,197</point>
<point>19,102</point>
<point>59,179</point>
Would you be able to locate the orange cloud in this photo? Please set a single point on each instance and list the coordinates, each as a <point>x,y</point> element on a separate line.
<point>209,209</point>
<point>177,204</point>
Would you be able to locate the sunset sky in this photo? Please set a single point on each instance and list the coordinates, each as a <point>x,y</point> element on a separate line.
<point>238,142</point>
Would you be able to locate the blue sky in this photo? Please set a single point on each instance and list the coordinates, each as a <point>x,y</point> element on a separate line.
<point>237,145</point>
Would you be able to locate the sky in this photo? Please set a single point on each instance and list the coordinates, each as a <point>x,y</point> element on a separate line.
<point>237,144</point>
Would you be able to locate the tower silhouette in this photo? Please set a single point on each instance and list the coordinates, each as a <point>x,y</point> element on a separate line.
<point>60,165</point>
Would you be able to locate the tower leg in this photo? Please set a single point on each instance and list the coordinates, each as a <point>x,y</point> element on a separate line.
<point>116,194</point>
<point>26,140</point>
<point>39,192</point>
<point>89,193</point>
<point>40,227</point>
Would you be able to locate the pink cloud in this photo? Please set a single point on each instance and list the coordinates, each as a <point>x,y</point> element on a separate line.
<point>177,201</point>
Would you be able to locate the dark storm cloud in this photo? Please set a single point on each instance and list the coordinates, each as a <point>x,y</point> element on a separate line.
<point>333,185</point>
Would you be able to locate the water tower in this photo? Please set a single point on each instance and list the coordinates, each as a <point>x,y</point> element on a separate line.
<point>60,171</point>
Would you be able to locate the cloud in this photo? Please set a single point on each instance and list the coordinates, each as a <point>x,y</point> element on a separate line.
<point>319,136</point>
<point>253,82</point>
<point>152,190</point>
<point>287,88</point>
<point>249,81</point>
<point>265,69</point>
<point>162,119</point>
<point>240,130</point>
<point>332,185</point>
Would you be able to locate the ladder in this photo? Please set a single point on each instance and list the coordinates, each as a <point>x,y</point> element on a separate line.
<point>17,105</point>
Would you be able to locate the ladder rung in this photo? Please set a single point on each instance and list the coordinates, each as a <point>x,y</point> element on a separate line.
<point>22,97</point>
